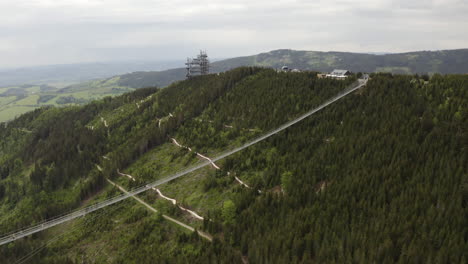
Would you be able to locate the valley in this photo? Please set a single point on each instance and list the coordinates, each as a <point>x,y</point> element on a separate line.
<point>17,100</point>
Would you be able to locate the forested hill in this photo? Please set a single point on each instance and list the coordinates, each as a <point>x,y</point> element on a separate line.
<point>377,177</point>
<point>419,62</point>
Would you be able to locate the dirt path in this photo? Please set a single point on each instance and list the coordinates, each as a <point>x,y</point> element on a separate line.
<point>245,184</point>
<point>212,163</point>
<point>241,182</point>
<point>211,121</point>
<point>229,126</point>
<point>200,233</point>
<point>197,216</point>
<point>164,118</point>
<point>321,186</point>
<point>179,145</point>
<point>173,201</point>
<point>126,175</point>
<point>104,121</point>
<point>198,154</point>
<point>208,159</point>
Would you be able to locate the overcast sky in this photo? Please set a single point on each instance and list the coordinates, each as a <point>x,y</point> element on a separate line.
<point>40,32</point>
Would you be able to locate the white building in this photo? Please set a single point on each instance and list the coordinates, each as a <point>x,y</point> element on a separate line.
<point>339,74</point>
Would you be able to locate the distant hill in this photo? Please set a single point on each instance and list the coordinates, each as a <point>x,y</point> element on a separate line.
<point>445,61</point>
<point>18,99</point>
<point>72,73</point>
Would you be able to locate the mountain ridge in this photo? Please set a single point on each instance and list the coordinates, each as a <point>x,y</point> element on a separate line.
<point>421,62</point>
<point>416,62</point>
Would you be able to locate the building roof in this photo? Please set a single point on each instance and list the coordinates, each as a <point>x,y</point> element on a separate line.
<point>339,72</point>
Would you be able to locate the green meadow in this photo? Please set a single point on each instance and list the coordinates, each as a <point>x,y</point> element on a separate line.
<point>17,100</point>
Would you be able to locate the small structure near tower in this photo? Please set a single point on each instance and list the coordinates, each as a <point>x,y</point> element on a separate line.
<point>198,66</point>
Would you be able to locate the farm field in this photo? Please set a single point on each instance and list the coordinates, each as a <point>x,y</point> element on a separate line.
<point>17,100</point>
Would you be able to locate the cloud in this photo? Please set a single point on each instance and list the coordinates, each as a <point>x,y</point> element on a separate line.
<point>65,31</point>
